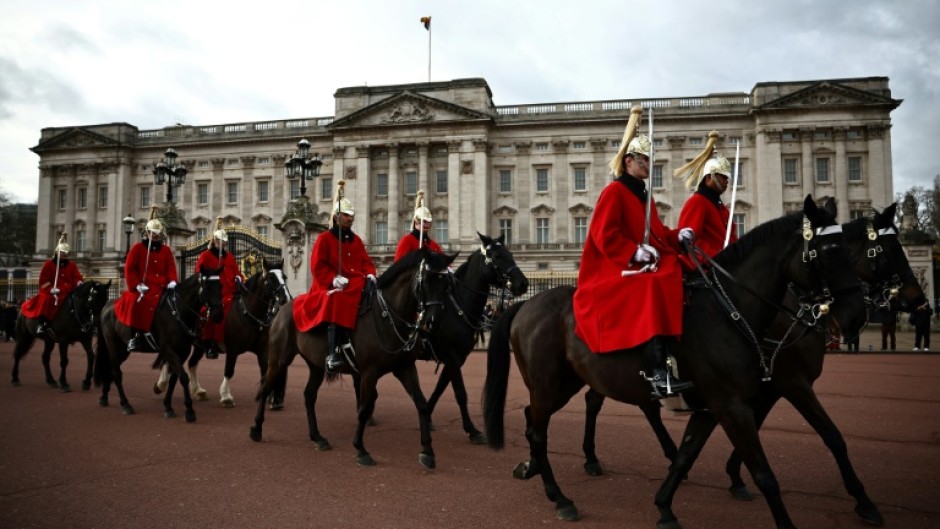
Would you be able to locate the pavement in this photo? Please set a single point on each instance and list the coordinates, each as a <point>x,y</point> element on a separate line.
<point>870,342</point>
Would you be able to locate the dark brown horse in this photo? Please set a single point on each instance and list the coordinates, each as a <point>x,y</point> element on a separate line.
<point>76,322</point>
<point>720,356</point>
<point>175,327</point>
<point>386,340</point>
<point>880,262</point>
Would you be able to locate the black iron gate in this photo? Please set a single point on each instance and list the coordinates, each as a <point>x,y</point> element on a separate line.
<point>248,247</point>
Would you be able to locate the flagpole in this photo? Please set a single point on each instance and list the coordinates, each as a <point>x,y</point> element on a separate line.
<point>429,53</point>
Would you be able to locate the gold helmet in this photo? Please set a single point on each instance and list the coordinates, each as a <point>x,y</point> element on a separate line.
<point>717,165</point>
<point>62,246</point>
<point>219,232</point>
<point>705,163</point>
<point>630,144</point>
<point>154,226</point>
<point>422,213</point>
<point>340,204</point>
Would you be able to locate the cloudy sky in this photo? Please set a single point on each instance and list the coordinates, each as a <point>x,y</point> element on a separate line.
<point>155,63</point>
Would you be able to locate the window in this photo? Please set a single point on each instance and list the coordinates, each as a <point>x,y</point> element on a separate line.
<point>407,225</point>
<point>657,142</point>
<point>440,231</point>
<point>853,134</point>
<point>505,230</point>
<point>200,234</point>
<point>739,223</point>
<point>294,188</point>
<point>145,199</point>
<point>441,182</point>
<point>381,187</point>
<point>656,179</point>
<point>541,267</point>
<point>789,135</point>
<point>695,141</point>
<point>203,164</point>
<point>411,183</point>
<point>102,196</point>
<point>855,169</point>
<point>821,135</point>
<point>79,240</point>
<point>262,231</point>
<point>856,214</point>
<point>264,161</point>
<point>579,145</point>
<point>62,196</point>
<point>102,240</point>
<point>541,146</point>
<point>505,181</point>
<point>580,179</point>
<point>791,175</point>
<point>202,194</point>
<point>580,229</point>
<point>541,231</point>
<point>231,192</point>
<point>541,180</point>
<point>822,170</point>
<point>740,174</point>
<point>381,232</point>
<point>326,188</point>
<point>82,198</point>
<point>263,191</point>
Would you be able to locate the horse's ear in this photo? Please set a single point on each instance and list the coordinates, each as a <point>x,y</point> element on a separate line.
<point>109,283</point>
<point>484,239</point>
<point>809,207</point>
<point>451,258</point>
<point>889,213</point>
<point>832,207</point>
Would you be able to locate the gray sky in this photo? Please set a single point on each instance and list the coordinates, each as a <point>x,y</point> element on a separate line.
<point>155,63</point>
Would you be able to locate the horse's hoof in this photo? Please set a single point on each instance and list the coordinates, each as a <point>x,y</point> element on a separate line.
<point>227,403</point>
<point>593,468</point>
<point>478,438</point>
<point>568,513</point>
<point>276,405</point>
<point>52,384</point>
<point>103,403</point>
<point>365,460</point>
<point>371,421</point>
<point>16,383</point>
<point>157,389</point>
<point>870,514</point>
<point>741,493</point>
<point>65,388</point>
<point>322,445</point>
<point>524,471</point>
<point>127,410</point>
<point>169,414</point>
<point>672,524</point>
<point>86,385</point>
<point>201,395</point>
<point>190,415</point>
<point>427,461</point>
<point>255,433</point>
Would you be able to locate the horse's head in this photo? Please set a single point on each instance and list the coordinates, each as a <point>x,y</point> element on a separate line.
<point>275,283</point>
<point>432,284</point>
<point>501,268</point>
<point>210,292</point>
<point>884,264</point>
<point>824,268</point>
<point>97,298</point>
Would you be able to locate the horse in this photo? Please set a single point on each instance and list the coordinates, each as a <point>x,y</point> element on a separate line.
<point>246,329</point>
<point>879,261</point>
<point>385,340</point>
<point>75,322</point>
<point>720,355</point>
<point>454,335</point>
<point>174,327</point>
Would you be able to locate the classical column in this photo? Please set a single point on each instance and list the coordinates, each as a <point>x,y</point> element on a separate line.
<point>559,188</point>
<point>599,174</point>
<point>92,215</point>
<point>423,165</point>
<point>522,189</point>
<point>339,171</point>
<point>44,208</point>
<point>809,173</point>
<point>483,186</point>
<point>360,192</point>
<point>879,166</point>
<point>841,175</point>
<point>71,205</point>
<point>394,196</point>
<point>457,228</point>
<point>768,182</point>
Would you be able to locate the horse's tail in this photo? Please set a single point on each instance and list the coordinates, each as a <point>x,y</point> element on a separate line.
<point>102,373</point>
<point>24,338</point>
<point>280,351</point>
<point>497,377</point>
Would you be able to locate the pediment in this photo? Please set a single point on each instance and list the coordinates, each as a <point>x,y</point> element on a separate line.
<point>827,94</point>
<point>76,138</point>
<point>261,218</point>
<point>200,221</point>
<point>504,211</point>
<point>542,209</point>
<point>741,205</point>
<point>231,220</point>
<point>407,108</point>
<point>580,209</point>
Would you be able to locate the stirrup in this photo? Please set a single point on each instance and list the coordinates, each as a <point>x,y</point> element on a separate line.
<point>334,362</point>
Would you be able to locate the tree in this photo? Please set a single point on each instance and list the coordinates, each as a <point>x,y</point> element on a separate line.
<point>923,206</point>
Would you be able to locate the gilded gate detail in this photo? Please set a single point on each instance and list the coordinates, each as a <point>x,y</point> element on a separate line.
<point>248,247</point>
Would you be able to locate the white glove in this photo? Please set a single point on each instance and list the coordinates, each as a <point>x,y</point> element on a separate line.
<point>142,288</point>
<point>645,254</point>
<point>54,291</point>
<point>171,285</point>
<point>238,279</point>
<point>80,283</point>
<point>686,235</point>
<point>371,277</point>
<point>340,282</point>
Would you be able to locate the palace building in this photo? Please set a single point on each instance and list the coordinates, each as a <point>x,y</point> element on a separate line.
<point>529,172</point>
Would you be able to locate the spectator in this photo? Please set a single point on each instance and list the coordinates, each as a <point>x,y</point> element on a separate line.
<point>920,318</point>
<point>889,326</point>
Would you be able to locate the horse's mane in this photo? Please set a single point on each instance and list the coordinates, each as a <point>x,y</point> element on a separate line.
<point>772,229</point>
<point>856,228</point>
<point>252,281</point>
<point>436,261</point>
<point>462,269</point>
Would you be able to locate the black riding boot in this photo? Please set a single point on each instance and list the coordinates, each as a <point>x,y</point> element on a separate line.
<point>212,351</point>
<point>137,340</point>
<point>664,384</point>
<point>43,326</point>
<point>334,359</point>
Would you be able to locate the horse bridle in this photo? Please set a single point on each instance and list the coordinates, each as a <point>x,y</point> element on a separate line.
<point>89,325</point>
<point>878,264</point>
<point>172,301</point>
<point>273,305</point>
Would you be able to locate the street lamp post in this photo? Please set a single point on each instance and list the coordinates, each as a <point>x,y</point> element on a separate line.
<point>169,172</point>
<point>129,222</point>
<point>302,165</point>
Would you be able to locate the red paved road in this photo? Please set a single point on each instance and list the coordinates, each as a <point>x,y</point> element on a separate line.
<point>65,462</point>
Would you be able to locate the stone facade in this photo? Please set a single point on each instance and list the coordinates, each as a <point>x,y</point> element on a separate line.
<point>531,172</point>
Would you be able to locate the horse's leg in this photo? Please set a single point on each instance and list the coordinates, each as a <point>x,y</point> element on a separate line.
<point>190,413</point>
<point>172,379</point>
<point>366,406</point>
<point>408,376</point>
<point>442,382</point>
<point>314,380</point>
<point>24,341</point>
<point>160,385</point>
<point>593,401</point>
<point>118,379</point>
<point>738,488</point>
<point>90,356</point>
<point>538,415</point>
<point>697,431</point>
<point>225,393</point>
<point>47,347</point>
<point>653,412</point>
<point>453,374</point>
<point>805,401</point>
<point>276,399</point>
<point>197,390</point>
<point>63,366</point>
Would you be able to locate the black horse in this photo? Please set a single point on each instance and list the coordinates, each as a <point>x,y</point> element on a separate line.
<point>246,329</point>
<point>386,339</point>
<point>174,327</point>
<point>75,322</point>
<point>454,336</point>
<point>719,355</point>
<point>880,262</point>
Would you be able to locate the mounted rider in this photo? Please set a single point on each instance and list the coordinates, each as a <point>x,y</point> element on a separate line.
<point>629,289</point>
<point>420,235</point>
<point>57,279</point>
<point>340,266</point>
<point>704,211</point>
<point>150,269</point>
<point>230,277</point>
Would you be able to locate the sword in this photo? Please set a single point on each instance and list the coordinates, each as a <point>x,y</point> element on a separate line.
<point>55,280</point>
<point>649,188</point>
<point>340,192</point>
<point>734,192</point>
<point>143,278</point>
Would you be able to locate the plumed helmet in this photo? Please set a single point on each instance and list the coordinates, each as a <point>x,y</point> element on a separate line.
<point>704,163</point>
<point>627,143</point>
<point>62,247</point>
<point>421,213</point>
<point>155,226</point>
<point>639,145</point>
<point>343,206</point>
<point>221,235</point>
<point>717,165</point>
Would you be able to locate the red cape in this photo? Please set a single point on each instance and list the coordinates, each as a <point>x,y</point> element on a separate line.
<point>160,271</point>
